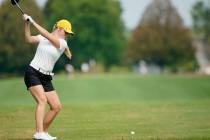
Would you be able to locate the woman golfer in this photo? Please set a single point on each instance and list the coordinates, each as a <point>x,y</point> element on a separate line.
<point>38,74</point>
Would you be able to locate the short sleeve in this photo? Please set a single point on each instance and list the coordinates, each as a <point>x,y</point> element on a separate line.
<point>40,37</point>
<point>63,44</point>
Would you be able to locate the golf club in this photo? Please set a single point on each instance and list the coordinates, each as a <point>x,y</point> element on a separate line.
<point>15,2</point>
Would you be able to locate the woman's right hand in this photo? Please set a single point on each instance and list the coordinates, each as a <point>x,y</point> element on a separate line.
<point>28,18</point>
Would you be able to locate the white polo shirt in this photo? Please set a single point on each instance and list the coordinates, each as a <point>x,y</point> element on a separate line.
<point>47,54</point>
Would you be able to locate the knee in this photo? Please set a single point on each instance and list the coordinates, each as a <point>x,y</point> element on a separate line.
<point>57,108</point>
<point>42,101</point>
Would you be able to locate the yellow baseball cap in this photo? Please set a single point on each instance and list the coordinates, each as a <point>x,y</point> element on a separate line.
<point>66,25</point>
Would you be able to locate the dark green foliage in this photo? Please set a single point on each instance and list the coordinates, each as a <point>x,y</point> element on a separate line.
<point>201,18</point>
<point>98,28</point>
<point>15,54</point>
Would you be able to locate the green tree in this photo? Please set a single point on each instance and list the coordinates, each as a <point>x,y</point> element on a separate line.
<point>201,18</point>
<point>161,38</point>
<point>98,27</point>
<point>15,54</point>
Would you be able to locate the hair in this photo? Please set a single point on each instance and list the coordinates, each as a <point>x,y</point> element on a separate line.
<point>55,27</point>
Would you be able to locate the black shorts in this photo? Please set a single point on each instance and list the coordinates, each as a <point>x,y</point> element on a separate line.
<point>33,78</point>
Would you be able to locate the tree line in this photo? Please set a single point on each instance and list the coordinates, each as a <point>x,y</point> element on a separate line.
<point>100,34</point>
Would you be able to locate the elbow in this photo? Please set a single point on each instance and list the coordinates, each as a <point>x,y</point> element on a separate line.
<point>28,40</point>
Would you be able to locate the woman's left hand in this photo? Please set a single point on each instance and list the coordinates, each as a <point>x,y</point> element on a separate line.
<point>68,53</point>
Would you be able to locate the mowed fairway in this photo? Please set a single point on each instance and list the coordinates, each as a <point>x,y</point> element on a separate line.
<point>109,107</point>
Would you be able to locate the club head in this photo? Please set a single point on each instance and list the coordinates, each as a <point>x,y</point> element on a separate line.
<point>14,2</point>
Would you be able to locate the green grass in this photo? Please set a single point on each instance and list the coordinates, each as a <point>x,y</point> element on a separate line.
<point>109,107</point>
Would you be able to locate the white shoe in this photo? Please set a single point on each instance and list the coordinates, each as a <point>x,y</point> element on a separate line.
<point>41,136</point>
<point>53,138</point>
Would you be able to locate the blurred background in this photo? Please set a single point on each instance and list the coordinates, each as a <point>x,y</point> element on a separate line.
<point>145,65</point>
<point>141,36</point>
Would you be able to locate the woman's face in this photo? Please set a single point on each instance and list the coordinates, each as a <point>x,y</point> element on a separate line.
<point>61,32</point>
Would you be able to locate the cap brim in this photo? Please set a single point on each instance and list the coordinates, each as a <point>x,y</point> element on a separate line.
<point>72,33</point>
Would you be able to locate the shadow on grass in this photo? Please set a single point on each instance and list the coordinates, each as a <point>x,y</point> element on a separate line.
<point>21,139</point>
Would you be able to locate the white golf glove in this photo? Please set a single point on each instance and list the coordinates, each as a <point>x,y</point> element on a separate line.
<point>27,17</point>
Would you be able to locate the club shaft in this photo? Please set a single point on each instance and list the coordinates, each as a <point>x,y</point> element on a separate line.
<point>19,7</point>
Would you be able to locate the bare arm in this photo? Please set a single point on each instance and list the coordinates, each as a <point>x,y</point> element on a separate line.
<point>46,34</point>
<point>68,53</point>
<point>54,40</point>
<point>28,37</point>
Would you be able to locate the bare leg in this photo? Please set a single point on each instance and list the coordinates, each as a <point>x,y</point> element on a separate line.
<point>55,107</point>
<point>38,94</point>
